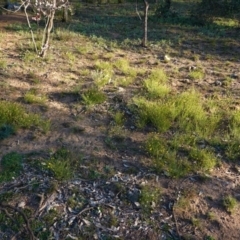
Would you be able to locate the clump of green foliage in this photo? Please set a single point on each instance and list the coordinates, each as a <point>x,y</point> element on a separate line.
<point>11,166</point>
<point>149,197</point>
<point>178,157</point>
<point>196,74</point>
<point>156,85</point>
<point>13,114</point>
<point>160,114</point>
<point>123,66</point>
<point>230,203</point>
<point>32,97</point>
<point>60,165</point>
<point>119,118</point>
<point>93,96</point>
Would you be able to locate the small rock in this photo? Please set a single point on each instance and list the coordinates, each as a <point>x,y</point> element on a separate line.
<point>218,83</point>
<point>166,58</point>
<point>21,204</point>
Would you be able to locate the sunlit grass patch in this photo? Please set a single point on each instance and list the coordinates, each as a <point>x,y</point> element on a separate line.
<point>103,65</point>
<point>3,64</point>
<point>123,66</point>
<point>192,115</point>
<point>156,84</point>
<point>177,158</point>
<point>70,57</point>
<point>15,115</point>
<point>197,74</point>
<point>101,77</point>
<point>32,97</point>
<point>160,114</point>
<point>230,203</point>
<point>122,81</point>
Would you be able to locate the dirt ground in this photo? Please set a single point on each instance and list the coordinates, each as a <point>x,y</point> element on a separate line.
<point>205,193</point>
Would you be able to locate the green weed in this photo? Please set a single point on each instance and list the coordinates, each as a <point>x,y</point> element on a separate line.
<point>123,66</point>
<point>60,165</point>
<point>192,115</point>
<point>149,197</point>
<point>196,74</point>
<point>93,96</point>
<point>119,118</point>
<point>101,77</point>
<point>230,203</point>
<point>160,114</point>
<point>122,81</point>
<point>32,97</point>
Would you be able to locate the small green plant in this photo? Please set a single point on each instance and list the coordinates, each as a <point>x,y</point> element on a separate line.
<point>32,97</point>
<point>29,56</point>
<point>123,81</point>
<point>192,116</point>
<point>60,165</point>
<point>203,159</point>
<point>70,57</point>
<point>104,66</point>
<point>230,203</point>
<point>11,166</point>
<point>123,66</point>
<point>197,74</point>
<point>160,114</point>
<point>149,197</point>
<point>3,64</point>
<point>196,222</point>
<point>156,85</point>
<point>93,96</point>
<point>211,216</point>
<point>155,89</point>
<point>101,77</point>
<point>119,118</point>
<point>159,76</point>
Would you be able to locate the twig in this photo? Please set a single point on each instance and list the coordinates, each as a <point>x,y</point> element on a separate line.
<point>31,234</point>
<point>84,210</point>
<point>29,25</point>
<point>138,11</point>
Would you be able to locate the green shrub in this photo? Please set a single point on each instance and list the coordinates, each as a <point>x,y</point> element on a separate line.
<point>156,85</point>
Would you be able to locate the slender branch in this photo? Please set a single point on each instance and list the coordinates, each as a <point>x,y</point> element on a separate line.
<point>30,28</point>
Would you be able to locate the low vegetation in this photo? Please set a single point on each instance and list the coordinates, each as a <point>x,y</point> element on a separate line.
<point>116,134</point>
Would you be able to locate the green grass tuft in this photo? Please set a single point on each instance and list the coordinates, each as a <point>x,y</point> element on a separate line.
<point>93,96</point>
<point>15,115</point>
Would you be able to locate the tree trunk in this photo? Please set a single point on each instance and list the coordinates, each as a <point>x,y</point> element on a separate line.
<point>47,32</point>
<point>145,26</point>
<point>65,14</point>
